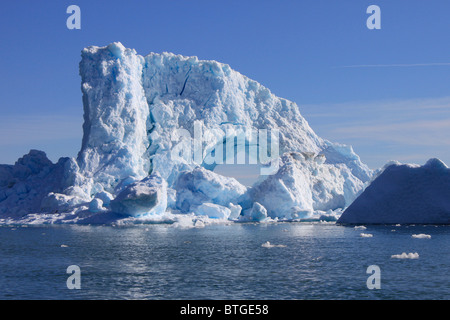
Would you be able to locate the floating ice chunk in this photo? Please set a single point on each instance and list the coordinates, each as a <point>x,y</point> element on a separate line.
<point>421,236</point>
<point>366,235</point>
<point>360,227</point>
<point>269,245</point>
<point>405,255</point>
<point>145,197</point>
<point>64,246</point>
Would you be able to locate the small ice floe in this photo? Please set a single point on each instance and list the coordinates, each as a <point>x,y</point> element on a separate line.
<point>360,227</point>
<point>405,255</point>
<point>398,225</point>
<point>269,245</point>
<point>366,235</point>
<point>421,236</point>
<point>64,246</point>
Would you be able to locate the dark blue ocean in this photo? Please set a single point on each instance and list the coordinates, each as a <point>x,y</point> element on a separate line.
<point>316,261</point>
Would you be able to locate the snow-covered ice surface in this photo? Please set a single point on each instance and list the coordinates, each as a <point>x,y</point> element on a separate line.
<point>404,194</point>
<point>140,160</point>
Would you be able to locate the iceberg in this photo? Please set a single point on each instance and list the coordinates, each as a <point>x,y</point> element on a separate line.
<point>156,126</point>
<point>34,185</point>
<point>404,194</point>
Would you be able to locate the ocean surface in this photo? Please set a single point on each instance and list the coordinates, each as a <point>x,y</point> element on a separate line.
<point>312,261</point>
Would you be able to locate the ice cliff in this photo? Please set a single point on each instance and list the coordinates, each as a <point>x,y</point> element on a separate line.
<point>154,129</point>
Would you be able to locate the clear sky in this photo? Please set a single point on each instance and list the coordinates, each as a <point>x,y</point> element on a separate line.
<point>386,92</point>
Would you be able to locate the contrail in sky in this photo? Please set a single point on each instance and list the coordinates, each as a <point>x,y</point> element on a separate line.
<point>447,64</point>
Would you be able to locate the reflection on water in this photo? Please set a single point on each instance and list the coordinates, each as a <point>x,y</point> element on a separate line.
<point>316,261</point>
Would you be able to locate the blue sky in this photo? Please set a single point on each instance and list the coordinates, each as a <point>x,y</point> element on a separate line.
<point>386,92</point>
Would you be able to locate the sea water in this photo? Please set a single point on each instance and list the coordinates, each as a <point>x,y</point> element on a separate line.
<point>307,261</point>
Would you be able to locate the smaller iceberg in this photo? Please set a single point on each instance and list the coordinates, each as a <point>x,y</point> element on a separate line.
<point>366,235</point>
<point>421,236</point>
<point>406,194</point>
<point>405,255</point>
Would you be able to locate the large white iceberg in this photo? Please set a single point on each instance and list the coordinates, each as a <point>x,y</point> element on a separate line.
<point>154,129</point>
<point>405,194</point>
